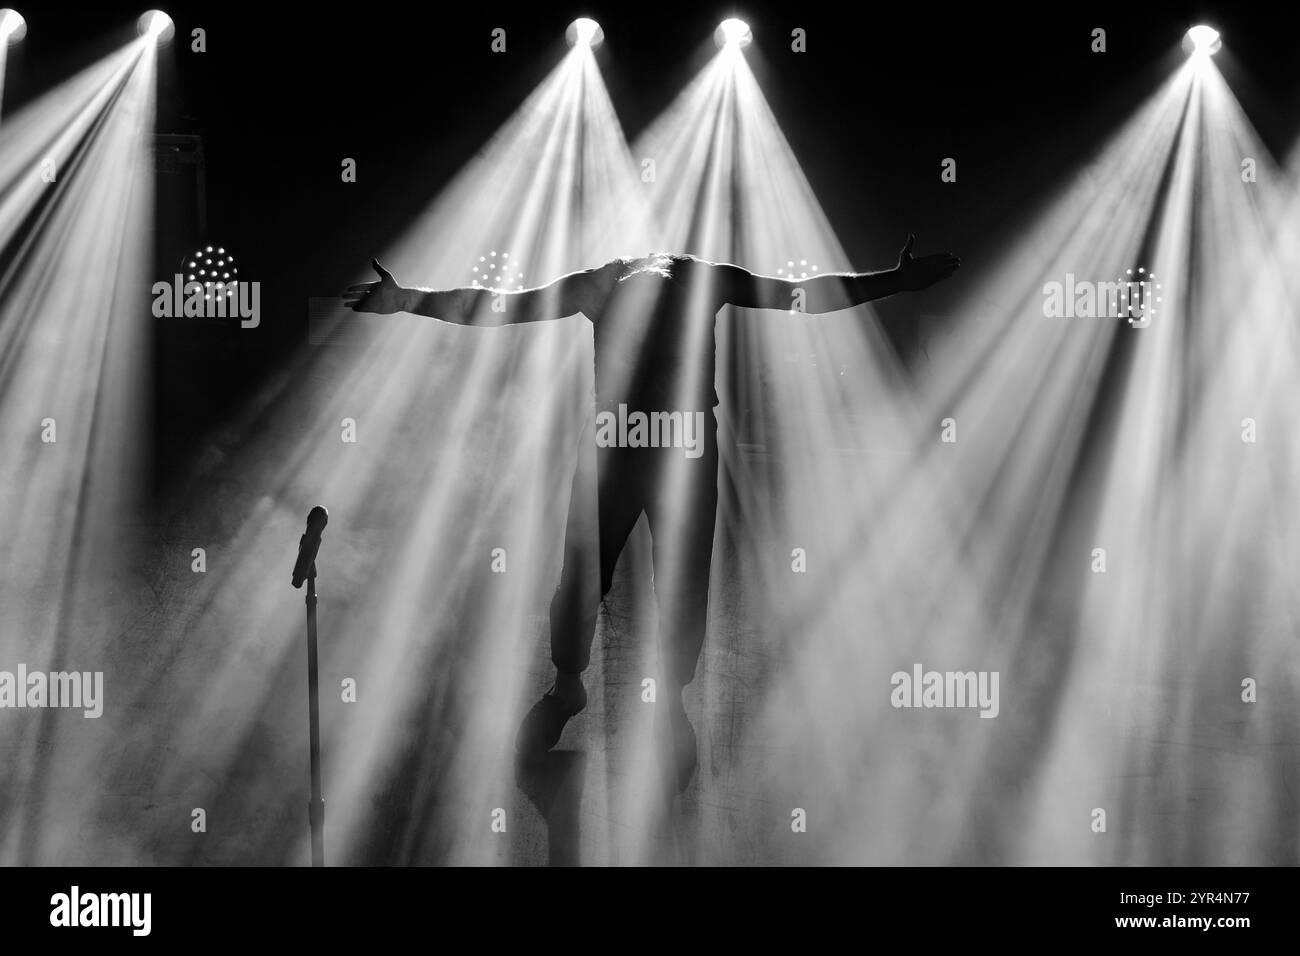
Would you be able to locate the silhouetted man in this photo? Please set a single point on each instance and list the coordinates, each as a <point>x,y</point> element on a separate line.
<point>656,436</point>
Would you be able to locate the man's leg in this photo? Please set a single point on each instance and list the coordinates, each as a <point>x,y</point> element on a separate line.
<point>603,510</point>
<point>682,514</point>
<point>577,598</point>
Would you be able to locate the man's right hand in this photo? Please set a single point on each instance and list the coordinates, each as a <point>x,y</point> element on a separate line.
<point>382,298</point>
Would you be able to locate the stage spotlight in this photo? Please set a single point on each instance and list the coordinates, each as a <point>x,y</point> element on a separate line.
<point>586,32</point>
<point>12,25</point>
<point>214,267</point>
<point>734,33</point>
<point>1202,40</point>
<point>156,24</point>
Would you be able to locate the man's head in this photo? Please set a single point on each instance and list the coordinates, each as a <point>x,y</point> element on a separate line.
<point>656,263</point>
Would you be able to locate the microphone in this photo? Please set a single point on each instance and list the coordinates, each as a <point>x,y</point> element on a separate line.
<point>309,544</point>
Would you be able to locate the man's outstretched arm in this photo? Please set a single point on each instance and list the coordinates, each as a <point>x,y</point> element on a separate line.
<point>567,295</point>
<point>831,292</point>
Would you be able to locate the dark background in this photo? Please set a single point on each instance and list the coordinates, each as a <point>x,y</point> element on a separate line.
<point>412,90</point>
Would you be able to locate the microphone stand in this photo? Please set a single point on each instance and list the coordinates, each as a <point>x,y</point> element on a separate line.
<point>316,805</point>
<point>304,569</point>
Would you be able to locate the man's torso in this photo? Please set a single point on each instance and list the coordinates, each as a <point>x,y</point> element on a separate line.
<point>655,343</point>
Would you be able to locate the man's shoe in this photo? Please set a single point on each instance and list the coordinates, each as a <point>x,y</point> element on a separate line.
<point>676,731</point>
